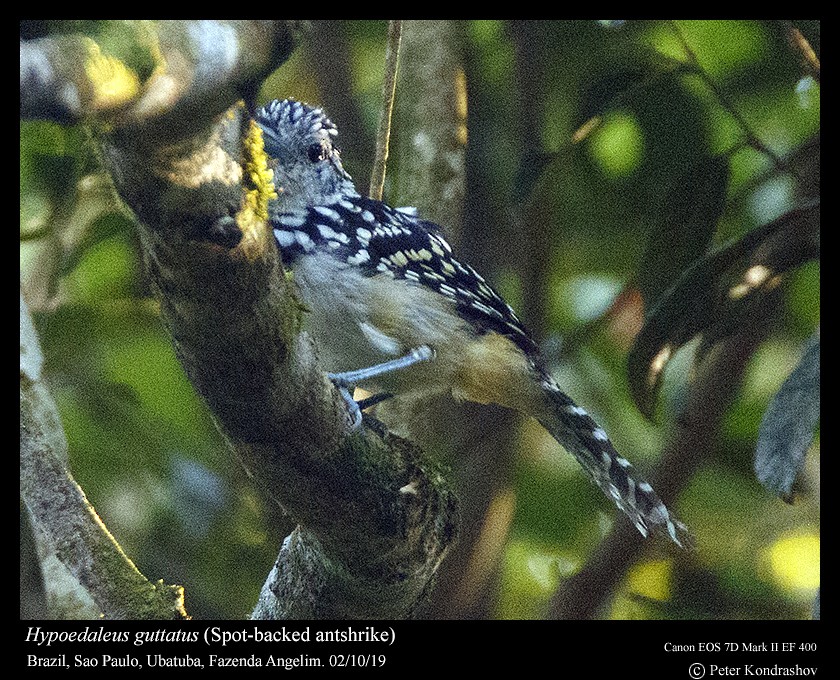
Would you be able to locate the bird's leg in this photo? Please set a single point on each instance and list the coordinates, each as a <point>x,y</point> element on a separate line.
<point>344,381</point>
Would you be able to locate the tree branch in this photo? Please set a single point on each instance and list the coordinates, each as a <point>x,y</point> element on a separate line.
<point>62,514</point>
<point>199,68</point>
<point>752,139</point>
<point>429,172</point>
<point>33,596</point>
<point>431,135</point>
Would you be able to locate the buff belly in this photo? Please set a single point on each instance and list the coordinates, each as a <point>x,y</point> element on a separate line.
<point>359,321</point>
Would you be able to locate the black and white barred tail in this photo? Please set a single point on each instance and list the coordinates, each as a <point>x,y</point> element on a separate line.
<point>581,436</point>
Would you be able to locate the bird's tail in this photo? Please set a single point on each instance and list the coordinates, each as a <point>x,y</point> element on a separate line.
<point>581,436</point>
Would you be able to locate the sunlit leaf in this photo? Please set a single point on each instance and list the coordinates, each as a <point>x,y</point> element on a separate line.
<point>686,225</point>
<point>793,561</point>
<point>787,428</point>
<point>651,580</point>
<point>716,292</point>
<point>617,146</point>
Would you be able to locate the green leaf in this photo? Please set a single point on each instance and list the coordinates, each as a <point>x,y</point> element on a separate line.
<point>609,90</point>
<point>528,173</point>
<point>717,292</point>
<point>687,223</point>
<point>631,72</point>
<point>787,428</point>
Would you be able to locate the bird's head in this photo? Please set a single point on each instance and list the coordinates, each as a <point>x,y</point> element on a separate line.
<point>300,141</point>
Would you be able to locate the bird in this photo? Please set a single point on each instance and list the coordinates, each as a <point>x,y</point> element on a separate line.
<point>393,310</point>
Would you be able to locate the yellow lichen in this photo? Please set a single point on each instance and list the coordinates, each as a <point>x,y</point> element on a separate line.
<point>258,183</point>
<point>258,175</point>
<point>112,83</point>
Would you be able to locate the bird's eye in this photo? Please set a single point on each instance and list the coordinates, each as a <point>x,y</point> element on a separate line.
<point>316,152</point>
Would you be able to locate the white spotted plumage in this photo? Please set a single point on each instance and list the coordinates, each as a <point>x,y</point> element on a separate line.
<point>380,282</point>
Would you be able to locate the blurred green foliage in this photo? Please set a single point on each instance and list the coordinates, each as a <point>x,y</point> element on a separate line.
<point>145,450</point>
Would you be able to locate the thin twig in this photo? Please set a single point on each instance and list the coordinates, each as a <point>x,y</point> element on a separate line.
<point>793,159</point>
<point>725,102</point>
<point>392,54</point>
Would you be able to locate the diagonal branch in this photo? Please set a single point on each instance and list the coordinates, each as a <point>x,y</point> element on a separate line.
<point>62,513</point>
<point>725,102</point>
